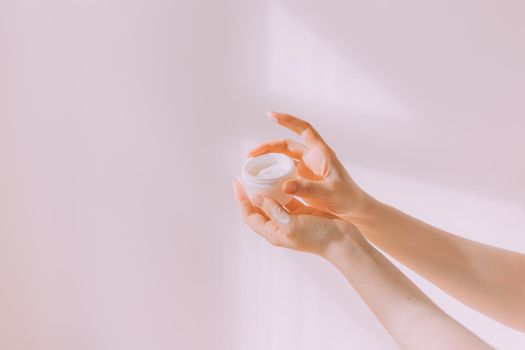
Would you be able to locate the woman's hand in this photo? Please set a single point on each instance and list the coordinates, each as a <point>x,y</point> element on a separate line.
<point>323,181</point>
<point>297,226</point>
<point>437,255</point>
<point>406,312</point>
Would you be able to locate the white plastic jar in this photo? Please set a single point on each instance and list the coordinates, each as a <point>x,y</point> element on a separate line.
<point>266,174</point>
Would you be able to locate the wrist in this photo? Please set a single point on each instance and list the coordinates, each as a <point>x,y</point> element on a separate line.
<point>349,244</point>
<point>364,210</point>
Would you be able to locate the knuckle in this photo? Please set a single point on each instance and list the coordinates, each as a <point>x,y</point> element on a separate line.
<point>307,188</point>
<point>309,126</point>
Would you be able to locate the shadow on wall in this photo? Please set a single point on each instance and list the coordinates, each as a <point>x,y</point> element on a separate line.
<point>446,80</point>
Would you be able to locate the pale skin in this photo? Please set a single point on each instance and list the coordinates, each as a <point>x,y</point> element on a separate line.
<point>339,220</point>
<point>412,319</point>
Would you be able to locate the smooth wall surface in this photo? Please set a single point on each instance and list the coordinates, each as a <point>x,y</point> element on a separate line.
<point>122,124</point>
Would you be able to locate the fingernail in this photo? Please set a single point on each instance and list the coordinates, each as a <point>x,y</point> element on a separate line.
<point>280,215</point>
<point>271,116</point>
<point>258,200</point>
<point>291,187</point>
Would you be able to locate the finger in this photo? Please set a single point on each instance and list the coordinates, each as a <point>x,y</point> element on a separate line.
<point>246,206</point>
<point>244,202</point>
<point>301,127</point>
<point>294,204</point>
<point>264,227</point>
<point>273,209</point>
<point>306,188</point>
<point>289,147</point>
<point>252,215</point>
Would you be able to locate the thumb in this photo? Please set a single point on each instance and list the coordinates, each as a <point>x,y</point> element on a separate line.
<point>306,188</point>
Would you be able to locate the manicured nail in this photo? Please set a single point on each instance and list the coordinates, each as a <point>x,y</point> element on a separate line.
<point>280,215</point>
<point>271,116</point>
<point>258,200</point>
<point>291,187</point>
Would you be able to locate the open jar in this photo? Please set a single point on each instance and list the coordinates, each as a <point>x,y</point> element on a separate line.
<point>266,174</point>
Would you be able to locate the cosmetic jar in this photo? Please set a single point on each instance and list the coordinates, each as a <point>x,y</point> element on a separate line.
<point>266,174</point>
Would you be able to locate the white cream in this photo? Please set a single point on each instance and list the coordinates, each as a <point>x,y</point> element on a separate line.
<point>271,172</point>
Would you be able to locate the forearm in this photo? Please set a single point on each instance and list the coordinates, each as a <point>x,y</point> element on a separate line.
<point>412,319</point>
<point>490,279</point>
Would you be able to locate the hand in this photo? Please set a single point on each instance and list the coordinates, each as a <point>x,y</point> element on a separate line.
<point>323,181</point>
<point>297,226</point>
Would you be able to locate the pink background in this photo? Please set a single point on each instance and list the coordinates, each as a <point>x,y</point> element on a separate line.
<point>122,124</point>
